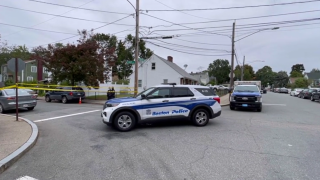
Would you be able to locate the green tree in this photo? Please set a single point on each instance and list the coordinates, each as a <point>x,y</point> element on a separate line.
<point>295,74</point>
<point>297,70</point>
<point>265,75</point>
<point>82,62</point>
<point>315,70</point>
<point>301,83</point>
<point>248,72</point>
<point>281,79</point>
<point>220,69</point>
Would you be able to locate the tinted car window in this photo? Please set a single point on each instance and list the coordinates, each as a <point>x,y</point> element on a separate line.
<point>181,92</point>
<point>160,93</point>
<point>77,88</point>
<point>206,91</point>
<point>12,92</point>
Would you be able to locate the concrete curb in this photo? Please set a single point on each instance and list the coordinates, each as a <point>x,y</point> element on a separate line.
<point>13,157</point>
<point>222,105</point>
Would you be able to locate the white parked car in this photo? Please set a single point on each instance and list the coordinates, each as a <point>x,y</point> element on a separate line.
<point>295,92</point>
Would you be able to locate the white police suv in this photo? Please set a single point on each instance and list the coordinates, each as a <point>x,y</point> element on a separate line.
<point>196,103</point>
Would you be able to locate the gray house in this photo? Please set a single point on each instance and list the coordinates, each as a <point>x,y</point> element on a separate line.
<point>314,77</point>
<point>33,72</point>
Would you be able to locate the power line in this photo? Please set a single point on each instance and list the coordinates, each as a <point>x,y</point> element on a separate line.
<point>242,25</point>
<point>183,25</point>
<point>201,43</point>
<point>244,18</point>
<point>186,52</point>
<point>243,29</point>
<point>87,9</point>
<point>92,29</point>
<point>68,17</point>
<point>179,45</point>
<point>50,18</point>
<point>35,28</point>
<point>181,11</point>
<point>235,7</point>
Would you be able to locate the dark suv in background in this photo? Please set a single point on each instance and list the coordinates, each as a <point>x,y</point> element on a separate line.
<point>65,94</point>
<point>315,95</point>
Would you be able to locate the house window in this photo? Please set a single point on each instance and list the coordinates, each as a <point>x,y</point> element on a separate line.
<point>139,83</point>
<point>29,78</point>
<point>165,81</point>
<point>45,70</point>
<point>34,69</point>
<point>153,66</point>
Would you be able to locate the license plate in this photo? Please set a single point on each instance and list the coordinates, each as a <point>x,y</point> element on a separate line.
<point>244,105</point>
<point>79,94</point>
<point>25,105</point>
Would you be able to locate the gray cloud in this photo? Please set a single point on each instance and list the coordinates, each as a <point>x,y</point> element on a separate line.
<point>280,49</point>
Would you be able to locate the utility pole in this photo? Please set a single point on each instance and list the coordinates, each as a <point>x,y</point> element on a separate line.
<point>242,69</point>
<point>136,50</point>
<point>232,56</point>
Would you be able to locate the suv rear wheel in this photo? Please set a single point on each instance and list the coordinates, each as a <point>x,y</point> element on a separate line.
<point>1,109</point>
<point>47,98</point>
<point>124,121</point>
<point>64,99</point>
<point>200,117</point>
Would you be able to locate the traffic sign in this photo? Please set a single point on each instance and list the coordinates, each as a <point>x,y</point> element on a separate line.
<point>230,75</point>
<point>12,64</point>
<point>133,62</point>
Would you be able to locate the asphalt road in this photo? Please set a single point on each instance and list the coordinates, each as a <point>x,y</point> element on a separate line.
<point>281,142</point>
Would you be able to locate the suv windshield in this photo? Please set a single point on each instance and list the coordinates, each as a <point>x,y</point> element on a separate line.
<point>138,96</point>
<point>246,89</point>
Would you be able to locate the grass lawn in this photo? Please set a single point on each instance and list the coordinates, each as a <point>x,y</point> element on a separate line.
<point>104,97</point>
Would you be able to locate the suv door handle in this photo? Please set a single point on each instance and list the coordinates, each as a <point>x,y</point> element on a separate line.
<point>192,98</point>
<point>165,101</point>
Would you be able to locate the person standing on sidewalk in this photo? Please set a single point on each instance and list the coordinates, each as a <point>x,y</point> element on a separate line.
<point>113,93</point>
<point>109,94</point>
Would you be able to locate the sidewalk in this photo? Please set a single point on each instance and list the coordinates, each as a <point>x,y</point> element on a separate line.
<point>224,101</point>
<point>16,138</point>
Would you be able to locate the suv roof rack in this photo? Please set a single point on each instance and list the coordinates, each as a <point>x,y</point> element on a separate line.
<point>173,84</point>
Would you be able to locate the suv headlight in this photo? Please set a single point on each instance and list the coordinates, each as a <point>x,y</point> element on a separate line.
<point>258,98</point>
<point>232,97</point>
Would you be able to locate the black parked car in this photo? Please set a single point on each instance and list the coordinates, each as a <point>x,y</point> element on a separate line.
<point>302,93</point>
<point>65,94</point>
<point>315,95</point>
<point>306,94</point>
<point>283,90</point>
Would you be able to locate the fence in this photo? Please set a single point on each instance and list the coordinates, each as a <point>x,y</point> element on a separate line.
<point>222,92</point>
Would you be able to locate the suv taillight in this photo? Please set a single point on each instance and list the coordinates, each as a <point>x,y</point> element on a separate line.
<point>11,98</point>
<point>217,99</point>
<point>71,93</point>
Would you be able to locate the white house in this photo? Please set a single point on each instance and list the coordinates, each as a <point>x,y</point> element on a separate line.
<point>202,77</point>
<point>157,70</point>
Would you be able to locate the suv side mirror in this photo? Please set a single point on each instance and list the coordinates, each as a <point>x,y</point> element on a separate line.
<point>143,96</point>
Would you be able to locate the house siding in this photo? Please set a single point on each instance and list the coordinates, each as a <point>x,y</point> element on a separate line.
<point>162,71</point>
<point>23,75</point>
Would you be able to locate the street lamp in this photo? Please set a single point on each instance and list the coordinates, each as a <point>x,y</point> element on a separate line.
<point>275,28</point>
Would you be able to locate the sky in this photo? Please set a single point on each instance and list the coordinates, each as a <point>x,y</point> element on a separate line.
<point>293,43</point>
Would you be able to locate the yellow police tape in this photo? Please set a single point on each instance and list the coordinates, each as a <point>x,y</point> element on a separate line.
<point>53,89</point>
<point>50,85</point>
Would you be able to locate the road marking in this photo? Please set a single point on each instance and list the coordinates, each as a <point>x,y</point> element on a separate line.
<point>26,178</point>
<point>59,117</point>
<point>274,105</point>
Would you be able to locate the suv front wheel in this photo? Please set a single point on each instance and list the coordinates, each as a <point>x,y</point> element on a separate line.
<point>200,117</point>
<point>124,121</point>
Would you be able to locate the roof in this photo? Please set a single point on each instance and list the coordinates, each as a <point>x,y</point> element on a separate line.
<point>177,68</point>
<point>313,75</point>
<point>194,86</point>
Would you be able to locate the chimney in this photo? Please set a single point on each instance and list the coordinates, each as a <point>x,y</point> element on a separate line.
<point>170,58</point>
